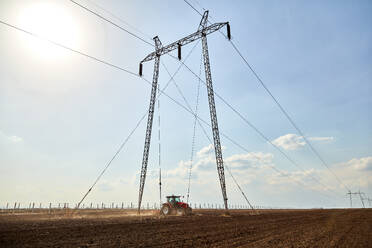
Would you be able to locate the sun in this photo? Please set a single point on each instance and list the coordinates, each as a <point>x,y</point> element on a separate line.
<point>50,21</point>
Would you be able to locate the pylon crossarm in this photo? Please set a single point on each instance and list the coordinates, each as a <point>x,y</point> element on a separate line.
<point>184,41</point>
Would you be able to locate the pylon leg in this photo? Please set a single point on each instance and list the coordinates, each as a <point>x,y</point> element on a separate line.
<point>213,114</point>
<point>149,124</point>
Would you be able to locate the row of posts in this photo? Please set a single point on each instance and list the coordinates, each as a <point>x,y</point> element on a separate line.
<point>34,206</point>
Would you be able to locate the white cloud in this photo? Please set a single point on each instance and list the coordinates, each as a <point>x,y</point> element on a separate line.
<point>293,141</point>
<point>254,171</point>
<point>364,164</point>
<point>289,142</point>
<point>290,177</point>
<point>246,167</point>
<point>205,151</point>
<point>321,138</point>
<point>15,139</point>
<point>252,160</point>
<point>11,139</point>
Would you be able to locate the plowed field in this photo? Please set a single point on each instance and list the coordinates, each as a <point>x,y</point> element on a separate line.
<point>205,228</point>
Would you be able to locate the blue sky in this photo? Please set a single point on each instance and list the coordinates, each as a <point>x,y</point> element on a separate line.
<point>63,116</point>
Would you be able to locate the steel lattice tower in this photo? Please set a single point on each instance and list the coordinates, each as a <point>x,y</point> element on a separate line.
<point>203,31</point>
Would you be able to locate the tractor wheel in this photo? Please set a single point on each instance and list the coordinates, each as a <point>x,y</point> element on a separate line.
<point>181,211</point>
<point>165,210</point>
<point>188,211</point>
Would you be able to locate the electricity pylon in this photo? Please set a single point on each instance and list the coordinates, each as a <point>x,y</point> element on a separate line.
<point>369,201</point>
<point>360,196</point>
<point>203,31</point>
<point>351,200</point>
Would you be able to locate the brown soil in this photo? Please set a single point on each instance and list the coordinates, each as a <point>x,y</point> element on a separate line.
<point>205,228</point>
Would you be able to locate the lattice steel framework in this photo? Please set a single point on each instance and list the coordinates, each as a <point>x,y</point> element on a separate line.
<point>150,118</point>
<point>203,31</point>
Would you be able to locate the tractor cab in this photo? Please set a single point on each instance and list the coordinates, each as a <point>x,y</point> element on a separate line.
<point>174,200</point>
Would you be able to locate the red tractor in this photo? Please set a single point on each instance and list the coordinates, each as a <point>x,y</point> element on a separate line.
<point>174,206</point>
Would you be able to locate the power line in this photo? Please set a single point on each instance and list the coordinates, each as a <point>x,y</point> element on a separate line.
<point>236,183</point>
<point>130,135</point>
<point>287,115</point>
<point>250,124</point>
<point>254,127</point>
<point>68,48</point>
<point>193,7</point>
<point>109,64</point>
<point>249,66</point>
<point>127,139</point>
<point>100,61</point>
<point>194,131</point>
<point>278,104</point>
<point>107,20</point>
<point>200,120</point>
<point>97,59</point>
<point>112,159</point>
<point>119,19</point>
<point>116,25</point>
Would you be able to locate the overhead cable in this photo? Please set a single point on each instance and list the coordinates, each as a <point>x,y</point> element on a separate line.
<point>105,62</point>
<point>113,23</point>
<point>278,104</point>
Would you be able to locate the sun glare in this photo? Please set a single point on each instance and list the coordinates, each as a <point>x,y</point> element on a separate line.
<point>50,21</point>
